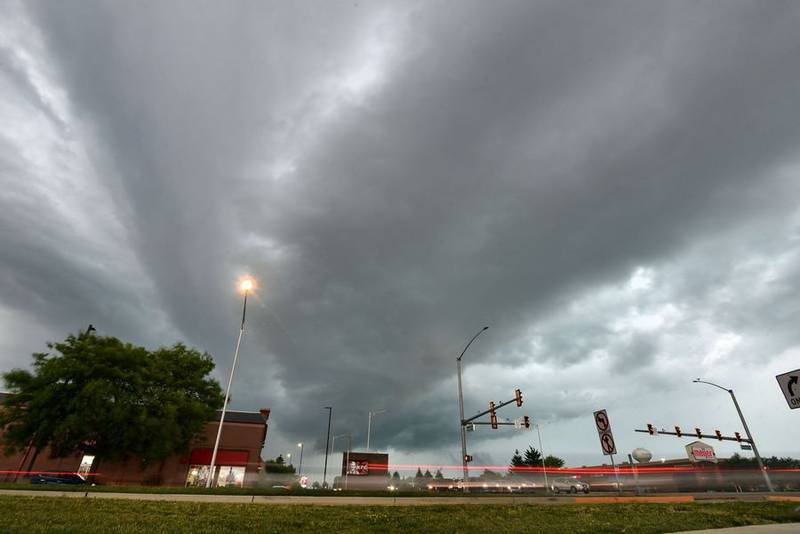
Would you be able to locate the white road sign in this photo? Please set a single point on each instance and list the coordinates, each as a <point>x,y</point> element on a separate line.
<point>790,387</point>
<point>604,432</point>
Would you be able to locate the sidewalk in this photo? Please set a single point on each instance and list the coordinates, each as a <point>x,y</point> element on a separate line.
<point>784,528</point>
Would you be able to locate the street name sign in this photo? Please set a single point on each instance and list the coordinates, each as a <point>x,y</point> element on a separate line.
<point>790,387</point>
<point>604,432</point>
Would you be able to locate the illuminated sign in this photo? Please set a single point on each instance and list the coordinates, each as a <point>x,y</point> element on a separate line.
<point>358,467</point>
<point>700,452</point>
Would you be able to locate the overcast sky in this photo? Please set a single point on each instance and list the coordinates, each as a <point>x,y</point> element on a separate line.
<point>612,187</point>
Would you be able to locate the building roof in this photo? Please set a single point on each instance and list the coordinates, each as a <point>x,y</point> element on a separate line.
<point>260,417</point>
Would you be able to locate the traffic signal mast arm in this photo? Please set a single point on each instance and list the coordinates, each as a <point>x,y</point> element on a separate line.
<point>497,423</point>
<point>690,435</point>
<point>497,407</point>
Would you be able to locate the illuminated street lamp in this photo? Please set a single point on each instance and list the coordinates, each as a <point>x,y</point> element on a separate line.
<point>300,467</point>
<point>245,285</point>
<point>747,430</point>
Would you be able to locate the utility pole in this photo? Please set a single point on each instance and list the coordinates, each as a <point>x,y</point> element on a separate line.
<point>327,443</point>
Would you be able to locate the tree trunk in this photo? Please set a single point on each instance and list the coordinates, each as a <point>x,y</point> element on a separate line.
<point>36,452</point>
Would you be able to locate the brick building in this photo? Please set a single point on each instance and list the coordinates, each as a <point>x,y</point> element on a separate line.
<point>238,458</point>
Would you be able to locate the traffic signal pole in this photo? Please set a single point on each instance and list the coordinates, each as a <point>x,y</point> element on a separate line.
<point>461,411</point>
<point>753,443</point>
<point>463,428</point>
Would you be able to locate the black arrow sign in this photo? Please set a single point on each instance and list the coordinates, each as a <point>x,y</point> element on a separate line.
<point>601,421</point>
<point>790,385</point>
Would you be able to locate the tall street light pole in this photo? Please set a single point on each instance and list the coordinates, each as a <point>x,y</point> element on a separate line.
<point>300,467</point>
<point>544,468</point>
<point>327,444</point>
<point>746,429</point>
<point>245,286</point>
<point>461,411</point>
<point>369,424</point>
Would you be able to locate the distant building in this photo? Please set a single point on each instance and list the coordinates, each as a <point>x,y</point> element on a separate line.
<point>238,458</point>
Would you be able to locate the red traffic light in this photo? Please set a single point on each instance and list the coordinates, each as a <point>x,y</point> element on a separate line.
<point>518,396</point>
<point>719,434</point>
<point>738,437</point>
<point>526,421</point>
<point>651,430</point>
<point>467,458</point>
<point>678,431</point>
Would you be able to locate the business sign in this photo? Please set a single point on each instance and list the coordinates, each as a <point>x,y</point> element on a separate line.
<point>790,387</point>
<point>358,468</point>
<point>604,432</point>
<point>701,452</point>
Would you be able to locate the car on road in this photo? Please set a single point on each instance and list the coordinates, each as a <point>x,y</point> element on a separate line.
<point>569,485</point>
<point>57,478</point>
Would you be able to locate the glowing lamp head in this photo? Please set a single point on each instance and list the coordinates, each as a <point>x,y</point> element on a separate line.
<point>246,284</point>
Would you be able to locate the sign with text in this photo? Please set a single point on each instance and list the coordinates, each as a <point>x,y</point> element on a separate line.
<point>604,432</point>
<point>790,387</point>
<point>701,452</point>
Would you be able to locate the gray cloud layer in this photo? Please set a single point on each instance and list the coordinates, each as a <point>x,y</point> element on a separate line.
<point>611,186</point>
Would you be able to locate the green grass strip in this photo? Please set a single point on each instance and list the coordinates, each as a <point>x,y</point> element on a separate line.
<point>32,515</point>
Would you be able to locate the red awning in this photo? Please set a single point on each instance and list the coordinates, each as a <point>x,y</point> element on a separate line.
<point>224,457</point>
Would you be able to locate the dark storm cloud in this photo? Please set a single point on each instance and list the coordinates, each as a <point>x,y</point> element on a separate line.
<point>399,175</point>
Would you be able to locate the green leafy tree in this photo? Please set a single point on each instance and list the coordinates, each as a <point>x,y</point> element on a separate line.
<point>516,461</point>
<point>428,474</point>
<point>532,458</point>
<point>98,395</point>
<point>553,461</point>
<point>438,474</point>
<point>396,476</point>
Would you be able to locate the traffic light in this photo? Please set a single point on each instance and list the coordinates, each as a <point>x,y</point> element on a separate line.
<point>738,437</point>
<point>719,434</point>
<point>678,431</point>
<point>526,421</point>
<point>492,415</point>
<point>467,458</point>
<point>699,433</point>
<point>518,396</point>
<point>651,430</point>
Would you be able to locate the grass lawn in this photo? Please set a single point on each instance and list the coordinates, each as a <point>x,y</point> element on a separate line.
<point>59,514</point>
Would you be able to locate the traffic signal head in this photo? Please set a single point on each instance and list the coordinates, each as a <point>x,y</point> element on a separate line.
<point>738,437</point>
<point>493,419</point>
<point>526,421</point>
<point>719,434</point>
<point>678,431</point>
<point>467,458</point>
<point>650,429</point>
<point>699,433</point>
<point>491,407</point>
<point>518,396</point>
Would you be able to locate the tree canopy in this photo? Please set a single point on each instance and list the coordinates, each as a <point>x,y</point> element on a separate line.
<point>98,395</point>
<point>533,458</point>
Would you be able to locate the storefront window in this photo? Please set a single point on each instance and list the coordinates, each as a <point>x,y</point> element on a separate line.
<point>230,477</point>
<point>197,476</point>
<point>227,476</point>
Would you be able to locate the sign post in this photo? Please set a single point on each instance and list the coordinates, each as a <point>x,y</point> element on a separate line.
<point>607,443</point>
<point>790,387</point>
